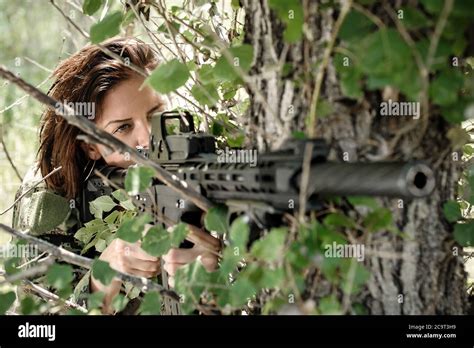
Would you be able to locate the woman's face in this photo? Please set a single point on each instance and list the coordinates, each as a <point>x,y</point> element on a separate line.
<point>126,114</point>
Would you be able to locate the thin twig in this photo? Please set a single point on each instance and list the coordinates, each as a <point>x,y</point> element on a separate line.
<point>440,24</point>
<point>322,69</point>
<point>111,142</point>
<point>81,261</point>
<point>39,269</point>
<point>31,188</point>
<point>9,159</point>
<point>135,68</point>
<point>32,287</point>
<point>308,153</point>
<point>34,62</point>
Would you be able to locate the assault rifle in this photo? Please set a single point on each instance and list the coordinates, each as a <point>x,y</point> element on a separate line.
<point>271,186</point>
<point>264,191</point>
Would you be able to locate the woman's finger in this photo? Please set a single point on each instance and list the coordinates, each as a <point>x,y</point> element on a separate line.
<point>175,255</point>
<point>143,265</point>
<point>209,261</point>
<point>140,273</point>
<point>171,268</point>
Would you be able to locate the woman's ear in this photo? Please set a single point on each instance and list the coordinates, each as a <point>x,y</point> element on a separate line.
<point>91,151</point>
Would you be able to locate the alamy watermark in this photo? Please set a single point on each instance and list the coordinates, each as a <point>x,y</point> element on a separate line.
<point>396,108</point>
<point>345,251</point>
<point>21,251</point>
<point>237,156</point>
<point>86,109</point>
<point>28,330</point>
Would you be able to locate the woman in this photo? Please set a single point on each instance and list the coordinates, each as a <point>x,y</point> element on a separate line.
<point>123,108</point>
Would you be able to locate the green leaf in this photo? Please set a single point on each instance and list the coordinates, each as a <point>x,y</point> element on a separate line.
<point>300,135</point>
<point>132,230</point>
<point>236,141</point>
<point>95,300</point>
<point>464,234</point>
<point>229,260</point>
<point>216,128</point>
<point>151,303</point>
<point>445,87</point>
<point>120,195</point>
<point>28,306</point>
<point>168,77</point>
<point>242,57</point>
<point>355,26</point>
<point>60,276</point>
<point>413,18</point>
<point>272,278</point>
<point>112,217</point>
<point>454,113</point>
<point>102,271</point>
<point>290,12</point>
<point>11,265</point>
<point>353,282</point>
<point>205,94</point>
<point>100,245</point>
<point>452,211</point>
<point>239,233</point>
<point>271,246</point>
<point>338,220</point>
<point>6,301</point>
<point>324,108</point>
<point>89,7</point>
<point>157,241</point>
<point>241,291</point>
<point>138,179</point>
<point>433,6</point>
<point>108,27</point>
<point>100,205</point>
<point>178,234</point>
<point>364,201</point>
<point>85,234</point>
<point>329,305</point>
<point>119,302</point>
<point>206,74</point>
<point>217,219</point>
<point>377,220</point>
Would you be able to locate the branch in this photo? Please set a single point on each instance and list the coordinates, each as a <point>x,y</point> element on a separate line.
<point>40,268</point>
<point>320,74</point>
<point>104,49</point>
<point>29,286</point>
<point>31,188</point>
<point>32,287</point>
<point>9,159</point>
<point>78,260</point>
<point>101,136</point>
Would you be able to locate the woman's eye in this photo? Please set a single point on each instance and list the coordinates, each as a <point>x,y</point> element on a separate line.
<point>122,128</point>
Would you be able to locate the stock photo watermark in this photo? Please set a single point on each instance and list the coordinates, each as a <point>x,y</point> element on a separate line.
<point>335,250</point>
<point>22,251</point>
<point>86,109</point>
<point>396,108</point>
<point>228,155</point>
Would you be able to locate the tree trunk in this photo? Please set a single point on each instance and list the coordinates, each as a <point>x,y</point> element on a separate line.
<point>429,271</point>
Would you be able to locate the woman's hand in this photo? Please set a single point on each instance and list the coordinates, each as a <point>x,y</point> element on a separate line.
<point>127,258</point>
<point>176,258</point>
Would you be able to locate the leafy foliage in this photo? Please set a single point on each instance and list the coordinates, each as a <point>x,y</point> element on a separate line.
<point>211,73</point>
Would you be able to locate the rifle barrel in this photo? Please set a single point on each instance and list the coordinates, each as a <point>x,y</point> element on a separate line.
<point>411,180</point>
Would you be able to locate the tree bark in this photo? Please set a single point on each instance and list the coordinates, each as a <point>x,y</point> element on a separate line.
<point>429,273</point>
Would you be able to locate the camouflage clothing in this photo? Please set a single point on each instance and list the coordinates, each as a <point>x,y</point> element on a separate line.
<point>51,217</point>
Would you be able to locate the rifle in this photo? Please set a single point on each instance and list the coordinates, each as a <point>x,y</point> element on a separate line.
<point>264,189</point>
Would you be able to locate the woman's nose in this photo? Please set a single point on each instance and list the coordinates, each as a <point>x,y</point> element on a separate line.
<point>143,136</point>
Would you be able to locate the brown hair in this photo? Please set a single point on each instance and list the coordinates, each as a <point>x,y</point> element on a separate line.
<point>86,76</point>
